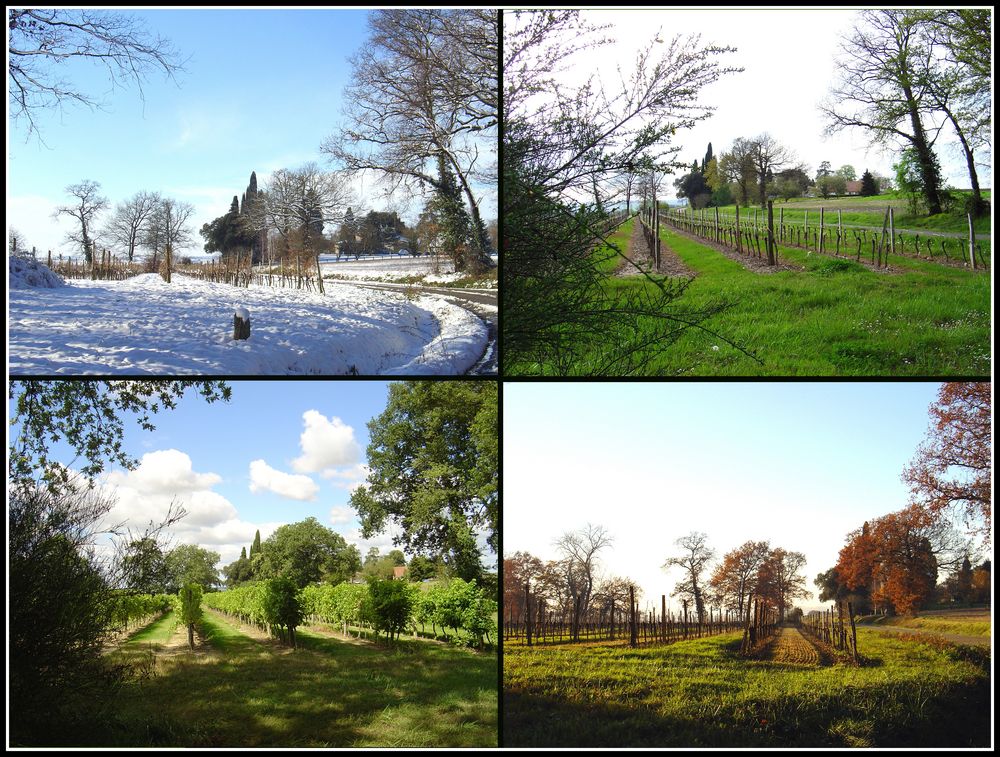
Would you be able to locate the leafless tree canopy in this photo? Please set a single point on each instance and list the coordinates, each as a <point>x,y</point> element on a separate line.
<point>579,550</point>
<point>86,205</point>
<point>42,42</point>
<point>128,224</point>
<point>423,90</point>
<point>693,560</point>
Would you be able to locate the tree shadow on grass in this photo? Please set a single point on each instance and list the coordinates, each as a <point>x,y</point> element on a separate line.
<point>327,694</point>
<point>956,715</point>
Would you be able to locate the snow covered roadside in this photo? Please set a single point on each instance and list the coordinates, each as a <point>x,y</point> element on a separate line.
<point>145,326</point>
<point>389,269</point>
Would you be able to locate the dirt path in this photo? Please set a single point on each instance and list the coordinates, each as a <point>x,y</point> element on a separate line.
<point>790,647</point>
<point>954,638</point>
<point>638,258</point>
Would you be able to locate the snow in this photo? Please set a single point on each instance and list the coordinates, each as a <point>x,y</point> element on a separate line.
<point>242,313</point>
<point>29,274</point>
<point>144,326</point>
<point>383,268</point>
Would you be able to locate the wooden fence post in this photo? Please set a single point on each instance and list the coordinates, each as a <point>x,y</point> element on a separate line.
<point>527,609</point>
<point>972,243</point>
<point>739,241</point>
<point>822,222</point>
<point>633,629</point>
<point>772,258</point>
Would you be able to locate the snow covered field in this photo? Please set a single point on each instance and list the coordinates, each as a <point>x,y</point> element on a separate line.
<point>390,268</point>
<point>145,326</point>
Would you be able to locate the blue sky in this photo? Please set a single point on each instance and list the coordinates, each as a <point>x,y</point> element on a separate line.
<point>261,90</point>
<point>310,435</point>
<point>799,464</point>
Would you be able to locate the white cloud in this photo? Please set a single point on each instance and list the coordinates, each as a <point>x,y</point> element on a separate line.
<point>165,471</point>
<point>264,478</point>
<point>347,478</point>
<point>325,443</point>
<point>341,514</point>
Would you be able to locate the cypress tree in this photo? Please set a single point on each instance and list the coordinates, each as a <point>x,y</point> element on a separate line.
<point>868,186</point>
<point>255,547</point>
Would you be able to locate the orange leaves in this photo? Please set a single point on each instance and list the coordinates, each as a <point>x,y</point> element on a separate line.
<point>951,468</point>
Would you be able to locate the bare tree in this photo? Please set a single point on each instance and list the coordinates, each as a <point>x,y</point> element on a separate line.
<point>560,142</point>
<point>41,41</point>
<point>579,563</point>
<point>768,158</point>
<point>15,241</point>
<point>168,225</point>
<point>88,203</point>
<point>418,102</point>
<point>298,202</point>
<point>130,217</point>
<point>880,90</point>
<point>693,561</point>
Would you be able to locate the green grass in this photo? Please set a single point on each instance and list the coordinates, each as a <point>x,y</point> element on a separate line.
<point>702,694</point>
<point>869,211</point>
<point>970,623</point>
<point>156,632</point>
<point>831,318</point>
<point>246,693</point>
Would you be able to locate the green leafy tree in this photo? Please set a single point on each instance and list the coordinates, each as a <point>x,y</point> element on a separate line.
<point>880,91</point>
<point>421,568</point>
<point>61,595</point>
<point>433,470</point>
<point>90,417</point>
<point>282,607</point>
<point>191,564</point>
<point>392,604</point>
<point>190,610</point>
<point>238,571</point>
<point>848,172</point>
<point>307,552</point>
<point>144,567</point>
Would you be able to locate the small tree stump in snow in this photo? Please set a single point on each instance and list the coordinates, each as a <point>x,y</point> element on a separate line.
<point>241,324</point>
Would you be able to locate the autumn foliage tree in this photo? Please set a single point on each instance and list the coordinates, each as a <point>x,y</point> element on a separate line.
<point>951,469</point>
<point>897,558</point>
<point>734,580</point>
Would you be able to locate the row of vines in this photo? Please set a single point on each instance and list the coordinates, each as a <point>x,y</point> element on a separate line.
<point>749,236</point>
<point>389,607</point>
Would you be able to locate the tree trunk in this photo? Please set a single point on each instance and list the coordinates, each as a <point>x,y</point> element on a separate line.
<point>928,172</point>
<point>191,635</point>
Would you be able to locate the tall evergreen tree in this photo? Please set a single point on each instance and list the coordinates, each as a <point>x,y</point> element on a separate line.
<point>707,159</point>
<point>255,547</point>
<point>869,187</point>
<point>455,223</point>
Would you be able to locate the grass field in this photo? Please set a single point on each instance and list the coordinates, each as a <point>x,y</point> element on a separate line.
<point>238,691</point>
<point>828,317</point>
<point>972,622</point>
<point>869,211</point>
<point>702,694</point>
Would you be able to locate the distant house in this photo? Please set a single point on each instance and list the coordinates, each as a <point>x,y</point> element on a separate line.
<point>399,573</point>
<point>853,188</point>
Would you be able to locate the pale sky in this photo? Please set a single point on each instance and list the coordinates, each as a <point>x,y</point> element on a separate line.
<point>789,61</point>
<point>799,464</point>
